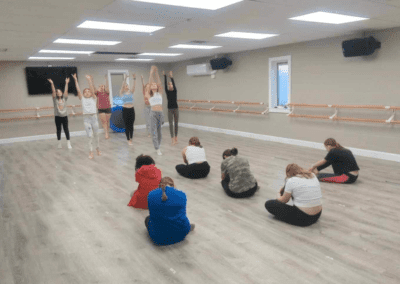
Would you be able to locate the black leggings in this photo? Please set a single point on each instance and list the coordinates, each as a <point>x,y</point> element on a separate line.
<point>194,171</point>
<point>62,121</point>
<point>290,214</point>
<point>244,194</point>
<point>128,115</point>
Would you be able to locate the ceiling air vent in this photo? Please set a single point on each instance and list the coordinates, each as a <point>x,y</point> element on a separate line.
<point>198,42</point>
<point>115,53</point>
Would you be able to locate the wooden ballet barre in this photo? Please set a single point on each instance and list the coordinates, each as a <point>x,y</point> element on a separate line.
<point>309,105</point>
<point>360,119</point>
<point>30,117</point>
<point>360,107</point>
<point>33,109</point>
<point>310,116</point>
<point>221,102</point>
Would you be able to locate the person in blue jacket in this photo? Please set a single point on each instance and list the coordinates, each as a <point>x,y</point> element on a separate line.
<point>167,223</point>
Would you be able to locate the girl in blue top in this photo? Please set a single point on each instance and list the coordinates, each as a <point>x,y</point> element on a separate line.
<point>128,111</point>
<point>167,223</point>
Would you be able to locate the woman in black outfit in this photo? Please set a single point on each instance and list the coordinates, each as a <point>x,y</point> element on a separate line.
<point>173,110</point>
<point>344,164</point>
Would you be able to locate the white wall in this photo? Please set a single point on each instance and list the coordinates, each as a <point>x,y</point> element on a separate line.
<point>320,74</point>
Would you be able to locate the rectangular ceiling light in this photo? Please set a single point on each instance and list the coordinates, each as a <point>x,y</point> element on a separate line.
<point>328,18</point>
<point>246,35</point>
<point>133,59</point>
<point>194,46</point>
<point>200,4</point>
<point>65,51</point>
<point>88,42</point>
<point>160,54</point>
<point>119,27</point>
<point>50,58</point>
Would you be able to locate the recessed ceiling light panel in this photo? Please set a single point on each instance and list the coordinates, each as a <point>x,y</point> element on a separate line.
<point>50,58</point>
<point>87,42</point>
<point>328,18</point>
<point>119,27</point>
<point>65,51</point>
<point>199,4</point>
<point>194,46</point>
<point>246,35</point>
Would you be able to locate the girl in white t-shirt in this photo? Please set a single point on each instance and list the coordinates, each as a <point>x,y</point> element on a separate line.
<point>304,189</point>
<point>194,156</point>
<point>89,107</point>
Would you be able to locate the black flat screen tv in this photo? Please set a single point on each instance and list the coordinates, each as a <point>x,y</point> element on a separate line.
<point>36,78</point>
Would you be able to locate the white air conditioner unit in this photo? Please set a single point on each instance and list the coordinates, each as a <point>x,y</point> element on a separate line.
<point>200,70</point>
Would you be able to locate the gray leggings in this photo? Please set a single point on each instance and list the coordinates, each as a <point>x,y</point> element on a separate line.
<point>92,129</point>
<point>157,120</point>
<point>147,111</point>
<point>173,118</point>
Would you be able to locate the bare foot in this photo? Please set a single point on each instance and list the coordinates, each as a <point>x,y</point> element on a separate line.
<point>107,136</point>
<point>130,142</point>
<point>173,141</point>
<point>91,156</point>
<point>98,152</point>
<point>176,139</point>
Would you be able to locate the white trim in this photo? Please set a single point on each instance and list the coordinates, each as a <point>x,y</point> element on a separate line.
<point>279,110</point>
<point>360,152</point>
<point>272,64</point>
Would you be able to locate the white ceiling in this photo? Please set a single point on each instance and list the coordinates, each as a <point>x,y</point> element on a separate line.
<point>26,26</point>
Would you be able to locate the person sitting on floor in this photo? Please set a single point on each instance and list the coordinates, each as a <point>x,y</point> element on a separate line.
<point>148,176</point>
<point>304,189</point>
<point>167,223</point>
<point>194,156</point>
<point>344,164</point>
<point>237,179</point>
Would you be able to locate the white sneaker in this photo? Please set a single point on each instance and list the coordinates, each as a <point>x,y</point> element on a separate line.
<point>69,145</point>
<point>159,152</point>
<point>59,145</point>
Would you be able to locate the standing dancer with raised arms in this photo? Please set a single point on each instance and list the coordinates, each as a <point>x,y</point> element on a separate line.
<point>103,103</point>
<point>147,107</point>
<point>128,111</point>
<point>60,111</point>
<point>89,116</point>
<point>173,110</point>
<point>154,95</point>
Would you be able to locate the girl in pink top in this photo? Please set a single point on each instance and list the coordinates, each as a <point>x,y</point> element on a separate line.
<point>103,104</point>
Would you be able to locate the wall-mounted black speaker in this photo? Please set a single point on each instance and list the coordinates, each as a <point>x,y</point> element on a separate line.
<point>360,46</point>
<point>220,63</point>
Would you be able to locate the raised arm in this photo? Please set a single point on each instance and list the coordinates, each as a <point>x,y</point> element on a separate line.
<point>172,79</point>
<point>134,84</point>
<point>107,86</point>
<point>123,85</point>
<point>77,86</point>
<point>144,91</point>
<point>165,81</point>
<point>155,78</point>
<point>66,87</point>
<point>91,84</point>
<point>53,89</point>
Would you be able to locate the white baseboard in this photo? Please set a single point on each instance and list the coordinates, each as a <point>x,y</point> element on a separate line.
<point>314,145</point>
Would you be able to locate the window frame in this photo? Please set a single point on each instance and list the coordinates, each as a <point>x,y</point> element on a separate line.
<point>273,88</point>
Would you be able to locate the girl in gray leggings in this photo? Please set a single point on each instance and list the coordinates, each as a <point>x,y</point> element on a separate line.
<point>154,96</point>
<point>90,120</point>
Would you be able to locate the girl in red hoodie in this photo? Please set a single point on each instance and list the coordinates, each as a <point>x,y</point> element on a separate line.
<point>148,176</point>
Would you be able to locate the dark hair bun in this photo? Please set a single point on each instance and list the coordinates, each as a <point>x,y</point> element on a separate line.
<point>234,151</point>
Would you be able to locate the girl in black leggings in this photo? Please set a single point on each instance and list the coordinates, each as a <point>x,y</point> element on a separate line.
<point>128,111</point>
<point>60,111</point>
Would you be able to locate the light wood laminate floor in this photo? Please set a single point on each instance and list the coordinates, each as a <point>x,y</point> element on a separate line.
<point>64,218</point>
